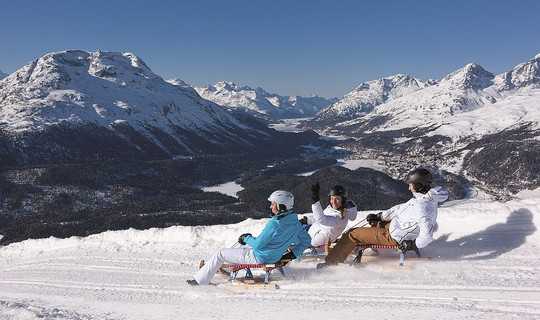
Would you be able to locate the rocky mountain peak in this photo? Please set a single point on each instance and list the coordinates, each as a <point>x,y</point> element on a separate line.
<point>470,77</point>
<point>227,85</point>
<point>74,69</point>
<point>389,85</point>
<point>527,73</point>
<point>178,82</point>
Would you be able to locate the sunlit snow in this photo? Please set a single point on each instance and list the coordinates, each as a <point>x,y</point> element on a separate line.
<point>484,266</point>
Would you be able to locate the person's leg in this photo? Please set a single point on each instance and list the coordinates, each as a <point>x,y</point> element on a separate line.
<point>372,235</point>
<point>318,238</point>
<point>243,255</point>
<point>344,246</point>
<point>379,234</point>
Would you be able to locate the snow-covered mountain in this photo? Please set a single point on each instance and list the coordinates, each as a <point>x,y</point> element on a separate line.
<point>524,75</point>
<point>362,100</point>
<point>3,75</point>
<point>399,102</point>
<point>260,103</point>
<point>471,122</point>
<point>112,105</point>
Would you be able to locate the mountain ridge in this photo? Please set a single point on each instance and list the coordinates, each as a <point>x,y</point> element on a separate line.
<point>260,103</point>
<point>463,90</point>
<point>118,101</point>
<point>364,98</point>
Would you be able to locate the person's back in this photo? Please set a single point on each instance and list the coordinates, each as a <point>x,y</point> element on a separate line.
<point>278,235</point>
<point>414,220</point>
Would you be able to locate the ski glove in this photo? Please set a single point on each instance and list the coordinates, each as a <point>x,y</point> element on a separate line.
<point>373,217</point>
<point>407,245</point>
<point>350,204</point>
<point>241,238</point>
<point>315,188</point>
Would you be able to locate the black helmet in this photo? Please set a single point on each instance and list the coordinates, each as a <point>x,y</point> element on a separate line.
<point>338,190</point>
<point>421,180</point>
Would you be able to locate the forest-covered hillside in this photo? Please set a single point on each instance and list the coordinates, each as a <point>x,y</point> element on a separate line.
<point>82,199</point>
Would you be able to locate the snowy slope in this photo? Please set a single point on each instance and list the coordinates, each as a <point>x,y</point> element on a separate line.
<point>485,266</point>
<point>520,107</point>
<point>260,103</point>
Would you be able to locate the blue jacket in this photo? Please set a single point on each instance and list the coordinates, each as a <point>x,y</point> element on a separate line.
<point>282,231</point>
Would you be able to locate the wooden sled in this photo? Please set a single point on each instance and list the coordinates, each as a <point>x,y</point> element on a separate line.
<point>375,247</point>
<point>231,271</point>
<point>362,247</point>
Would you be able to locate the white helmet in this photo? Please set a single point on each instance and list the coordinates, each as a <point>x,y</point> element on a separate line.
<point>282,197</point>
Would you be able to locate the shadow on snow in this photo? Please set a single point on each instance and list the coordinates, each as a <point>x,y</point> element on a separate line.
<point>490,243</point>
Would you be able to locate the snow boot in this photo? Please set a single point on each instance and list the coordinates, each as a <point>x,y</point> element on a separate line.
<point>322,266</point>
<point>192,282</point>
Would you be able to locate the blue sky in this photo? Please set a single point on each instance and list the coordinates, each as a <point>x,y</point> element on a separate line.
<point>287,47</point>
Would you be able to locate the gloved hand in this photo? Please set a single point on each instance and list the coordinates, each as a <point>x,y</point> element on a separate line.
<point>241,238</point>
<point>407,245</point>
<point>303,220</point>
<point>288,257</point>
<point>315,189</point>
<point>373,217</point>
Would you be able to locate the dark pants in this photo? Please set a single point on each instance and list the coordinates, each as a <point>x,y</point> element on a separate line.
<point>378,234</point>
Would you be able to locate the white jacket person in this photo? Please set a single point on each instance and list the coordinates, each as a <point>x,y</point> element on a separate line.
<point>330,222</point>
<point>415,218</point>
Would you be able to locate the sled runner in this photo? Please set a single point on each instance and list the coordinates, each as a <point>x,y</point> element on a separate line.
<point>231,271</point>
<point>375,247</point>
<point>312,253</point>
<point>360,248</point>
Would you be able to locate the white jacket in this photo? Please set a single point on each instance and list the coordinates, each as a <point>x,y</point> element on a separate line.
<point>415,218</point>
<point>328,223</point>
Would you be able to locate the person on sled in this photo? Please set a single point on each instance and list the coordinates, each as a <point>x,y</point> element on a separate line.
<point>330,222</point>
<point>409,225</point>
<point>281,232</point>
